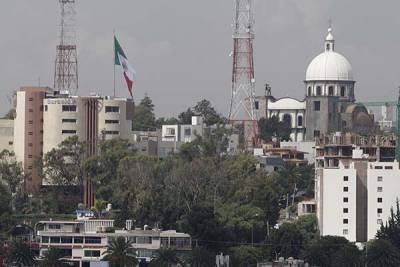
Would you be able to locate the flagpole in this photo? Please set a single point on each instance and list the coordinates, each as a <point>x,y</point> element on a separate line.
<point>114,59</point>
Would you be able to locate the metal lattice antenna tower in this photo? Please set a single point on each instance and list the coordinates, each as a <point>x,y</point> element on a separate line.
<point>66,65</point>
<point>242,107</point>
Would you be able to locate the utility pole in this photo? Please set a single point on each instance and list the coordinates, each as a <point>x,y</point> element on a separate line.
<point>66,64</point>
<point>243,103</point>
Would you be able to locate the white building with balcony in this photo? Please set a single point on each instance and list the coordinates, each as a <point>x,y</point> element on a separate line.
<point>83,242</point>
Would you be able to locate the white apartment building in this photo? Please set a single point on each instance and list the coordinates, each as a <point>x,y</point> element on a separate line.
<point>91,118</point>
<point>184,133</point>
<point>84,241</point>
<point>6,135</point>
<point>355,196</point>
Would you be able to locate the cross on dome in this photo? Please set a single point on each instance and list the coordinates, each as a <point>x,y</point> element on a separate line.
<point>329,41</point>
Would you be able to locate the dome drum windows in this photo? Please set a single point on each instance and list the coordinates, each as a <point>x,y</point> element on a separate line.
<point>331,90</point>
<point>309,91</point>
<point>319,90</point>
<point>300,121</point>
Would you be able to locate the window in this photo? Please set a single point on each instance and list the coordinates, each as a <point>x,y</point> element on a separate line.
<point>30,133</point>
<point>92,253</point>
<point>300,121</point>
<point>287,120</point>
<point>112,109</point>
<point>317,105</point>
<point>68,120</point>
<point>10,143</point>
<point>345,231</point>
<point>31,99</point>
<point>309,90</point>
<point>69,108</point>
<point>379,221</point>
<point>41,107</point>
<point>143,239</point>
<point>55,239</point>
<point>78,240</point>
<point>379,210</point>
<point>345,221</point>
<point>345,189</point>
<point>319,90</point>
<point>170,131</point>
<point>29,156</point>
<point>30,167</point>
<point>330,90</point>
<point>380,178</point>
<point>188,132</point>
<point>256,104</point>
<point>345,210</point>
<point>112,132</point>
<point>342,91</point>
<point>112,121</point>
<point>379,200</point>
<point>378,167</point>
<point>55,226</point>
<point>380,189</point>
<point>30,122</point>
<point>388,167</point>
<point>45,107</point>
<point>92,240</point>
<point>30,110</point>
<point>68,131</point>
<point>66,240</point>
<point>30,144</point>
<point>45,239</point>
<point>346,199</point>
<point>328,47</point>
<point>346,178</point>
<point>316,133</point>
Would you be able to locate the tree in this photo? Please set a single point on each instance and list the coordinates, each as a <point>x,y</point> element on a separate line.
<point>120,253</point>
<point>186,116</point>
<point>272,127</point>
<point>201,257</point>
<point>207,111</point>
<point>165,257</point>
<point>65,165</point>
<point>144,118</point>
<point>53,258</point>
<point>287,241</point>
<point>332,251</point>
<point>11,114</point>
<point>166,121</point>
<point>381,253</point>
<point>20,254</point>
<point>11,171</point>
<point>245,256</point>
<point>391,230</point>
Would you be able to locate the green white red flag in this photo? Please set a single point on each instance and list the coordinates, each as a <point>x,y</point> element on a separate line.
<point>120,59</point>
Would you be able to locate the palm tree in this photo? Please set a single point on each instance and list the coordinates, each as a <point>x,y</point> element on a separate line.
<point>20,254</point>
<point>53,258</point>
<point>165,257</point>
<point>120,253</point>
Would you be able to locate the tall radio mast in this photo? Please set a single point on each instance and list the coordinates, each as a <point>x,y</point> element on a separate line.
<point>242,107</point>
<point>66,65</point>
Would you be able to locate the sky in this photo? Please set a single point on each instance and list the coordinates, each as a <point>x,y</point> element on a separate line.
<point>180,48</point>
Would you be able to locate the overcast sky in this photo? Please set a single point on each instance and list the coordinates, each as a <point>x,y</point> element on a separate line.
<point>180,48</point>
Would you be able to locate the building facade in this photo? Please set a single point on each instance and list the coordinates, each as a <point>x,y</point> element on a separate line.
<point>6,135</point>
<point>357,181</point>
<point>83,242</point>
<point>28,133</point>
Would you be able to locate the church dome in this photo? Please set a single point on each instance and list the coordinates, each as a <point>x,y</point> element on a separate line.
<point>329,65</point>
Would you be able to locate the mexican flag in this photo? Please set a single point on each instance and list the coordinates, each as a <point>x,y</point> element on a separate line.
<point>120,59</point>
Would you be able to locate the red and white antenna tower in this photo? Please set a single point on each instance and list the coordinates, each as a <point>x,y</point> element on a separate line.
<point>242,108</point>
<point>66,65</point>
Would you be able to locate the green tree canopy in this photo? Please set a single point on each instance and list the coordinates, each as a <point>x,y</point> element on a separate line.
<point>391,230</point>
<point>143,117</point>
<point>200,257</point>
<point>272,127</point>
<point>20,254</point>
<point>165,257</point>
<point>245,256</point>
<point>381,253</point>
<point>11,171</point>
<point>65,165</point>
<point>120,253</point>
<point>332,251</point>
<point>53,258</point>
